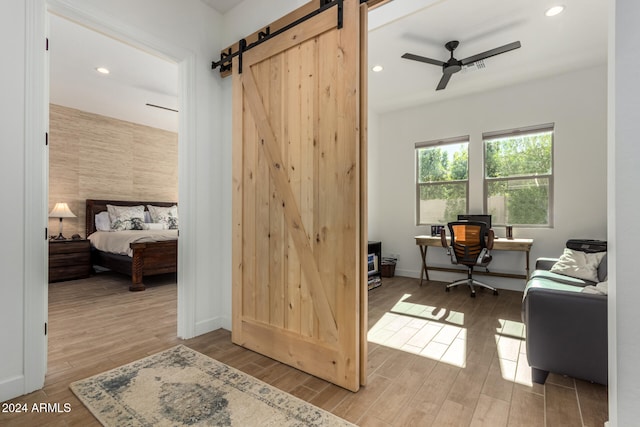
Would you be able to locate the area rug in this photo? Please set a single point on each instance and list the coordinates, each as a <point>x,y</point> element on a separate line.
<point>181,387</point>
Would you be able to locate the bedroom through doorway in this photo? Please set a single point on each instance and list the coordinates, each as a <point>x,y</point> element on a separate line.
<point>113,136</point>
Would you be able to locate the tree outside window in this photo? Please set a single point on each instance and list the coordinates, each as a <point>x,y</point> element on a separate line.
<point>519,176</point>
<point>442,180</point>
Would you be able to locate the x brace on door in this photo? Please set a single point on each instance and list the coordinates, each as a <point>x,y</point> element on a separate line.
<point>226,57</point>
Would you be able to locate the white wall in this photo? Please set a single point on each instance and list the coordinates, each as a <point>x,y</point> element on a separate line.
<point>624,205</point>
<point>188,27</point>
<point>575,102</point>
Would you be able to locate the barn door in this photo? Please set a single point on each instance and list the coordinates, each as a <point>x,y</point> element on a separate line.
<point>298,238</point>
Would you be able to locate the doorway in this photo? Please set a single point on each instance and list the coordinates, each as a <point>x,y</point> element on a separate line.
<point>113,134</point>
<point>36,301</point>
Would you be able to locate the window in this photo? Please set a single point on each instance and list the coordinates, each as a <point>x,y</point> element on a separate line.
<point>442,180</point>
<point>518,176</point>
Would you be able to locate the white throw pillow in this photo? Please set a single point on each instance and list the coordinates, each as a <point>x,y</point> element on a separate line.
<point>579,264</point>
<point>165,215</point>
<point>126,217</point>
<point>154,226</point>
<point>103,223</point>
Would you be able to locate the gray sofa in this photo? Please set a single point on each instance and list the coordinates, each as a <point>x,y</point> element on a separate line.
<point>566,328</point>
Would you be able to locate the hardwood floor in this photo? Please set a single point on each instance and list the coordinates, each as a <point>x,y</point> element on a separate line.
<point>435,358</point>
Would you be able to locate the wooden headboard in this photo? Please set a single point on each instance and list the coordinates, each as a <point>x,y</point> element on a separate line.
<point>94,207</point>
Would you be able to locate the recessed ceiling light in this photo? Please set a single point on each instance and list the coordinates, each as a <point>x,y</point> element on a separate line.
<point>377,68</point>
<point>102,70</point>
<point>555,10</point>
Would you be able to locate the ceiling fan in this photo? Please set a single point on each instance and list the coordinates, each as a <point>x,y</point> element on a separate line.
<point>453,65</point>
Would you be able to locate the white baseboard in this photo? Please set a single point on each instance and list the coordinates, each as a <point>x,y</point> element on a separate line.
<point>11,387</point>
<point>407,273</point>
<point>212,324</point>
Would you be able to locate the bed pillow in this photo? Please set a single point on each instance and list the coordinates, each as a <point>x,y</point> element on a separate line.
<point>103,223</point>
<point>579,264</point>
<point>154,226</point>
<point>164,215</point>
<point>126,217</point>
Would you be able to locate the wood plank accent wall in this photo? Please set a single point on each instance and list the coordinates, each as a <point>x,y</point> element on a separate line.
<point>98,157</point>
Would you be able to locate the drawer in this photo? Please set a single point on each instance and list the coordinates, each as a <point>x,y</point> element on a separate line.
<point>68,259</point>
<point>66,273</point>
<point>69,246</point>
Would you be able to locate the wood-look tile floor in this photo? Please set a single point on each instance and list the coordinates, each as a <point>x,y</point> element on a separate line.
<point>434,358</point>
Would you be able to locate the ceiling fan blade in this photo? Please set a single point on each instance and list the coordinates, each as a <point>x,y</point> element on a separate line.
<point>443,81</point>
<point>490,53</point>
<point>423,59</point>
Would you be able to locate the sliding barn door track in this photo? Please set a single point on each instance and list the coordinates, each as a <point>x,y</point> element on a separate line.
<point>226,57</point>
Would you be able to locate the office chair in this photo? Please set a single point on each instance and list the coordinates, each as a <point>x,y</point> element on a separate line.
<point>471,244</point>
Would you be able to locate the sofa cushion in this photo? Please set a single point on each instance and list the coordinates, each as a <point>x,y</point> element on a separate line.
<point>579,264</point>
<point>560,278</point>
<point>601,288</point>
<point>545,283</point>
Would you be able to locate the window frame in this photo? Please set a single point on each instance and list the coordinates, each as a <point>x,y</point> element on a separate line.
<point>523,131</point>
<point>465,139</point>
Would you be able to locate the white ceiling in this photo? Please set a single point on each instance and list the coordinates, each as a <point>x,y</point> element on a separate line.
<point>575,39</point>
<point>135,79</point>
<point>222,6</point>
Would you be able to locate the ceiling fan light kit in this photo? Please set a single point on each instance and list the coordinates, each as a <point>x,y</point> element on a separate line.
<point>454,65</point>
<point>554,10</point>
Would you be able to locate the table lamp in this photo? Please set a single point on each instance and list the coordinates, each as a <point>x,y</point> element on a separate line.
<point>61,210</point>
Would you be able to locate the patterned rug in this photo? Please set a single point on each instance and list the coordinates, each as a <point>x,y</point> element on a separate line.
<point>181,387</point>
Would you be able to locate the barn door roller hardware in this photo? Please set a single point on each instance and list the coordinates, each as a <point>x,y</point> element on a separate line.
<point>226,57</point>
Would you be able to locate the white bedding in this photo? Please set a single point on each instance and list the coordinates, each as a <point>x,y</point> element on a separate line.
<point>117,242</point>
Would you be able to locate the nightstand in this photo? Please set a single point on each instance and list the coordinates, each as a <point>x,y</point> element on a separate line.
<point>69,259</point>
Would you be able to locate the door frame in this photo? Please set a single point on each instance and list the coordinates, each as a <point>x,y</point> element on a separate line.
<point>37,166</point>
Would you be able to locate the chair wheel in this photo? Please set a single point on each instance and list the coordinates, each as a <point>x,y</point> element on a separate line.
<point>473,294</point>
<point>495,292</point>
<point>447,289</point>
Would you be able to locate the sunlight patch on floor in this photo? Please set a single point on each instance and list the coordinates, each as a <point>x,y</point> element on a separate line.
<point>512,352</point>
<point>427,312</point>
<point>438,333</point>
<point>424,330</point>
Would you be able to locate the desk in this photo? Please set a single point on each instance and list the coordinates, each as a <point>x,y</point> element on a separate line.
<point>501,244</point>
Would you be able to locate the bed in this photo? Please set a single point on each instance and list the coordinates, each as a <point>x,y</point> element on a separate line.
<point>147,258</point>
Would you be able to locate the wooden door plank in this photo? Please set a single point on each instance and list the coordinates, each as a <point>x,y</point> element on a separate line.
<point>294,142</point>
<point>249,250</point>
<point>310,59</point>
<point>262,236</point>
<point>300,237</point>
<point>274,105</point>
<point>237,179</point>
<point>327,248</point>
<point>348,291</point>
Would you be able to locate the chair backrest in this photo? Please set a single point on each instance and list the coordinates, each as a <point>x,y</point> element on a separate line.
<point>467,240</point>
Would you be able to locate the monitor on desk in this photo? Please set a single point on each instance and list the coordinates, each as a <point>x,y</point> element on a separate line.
<point>480,218</point>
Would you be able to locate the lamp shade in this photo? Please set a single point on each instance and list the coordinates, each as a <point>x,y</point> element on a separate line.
<point>61,210</point>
